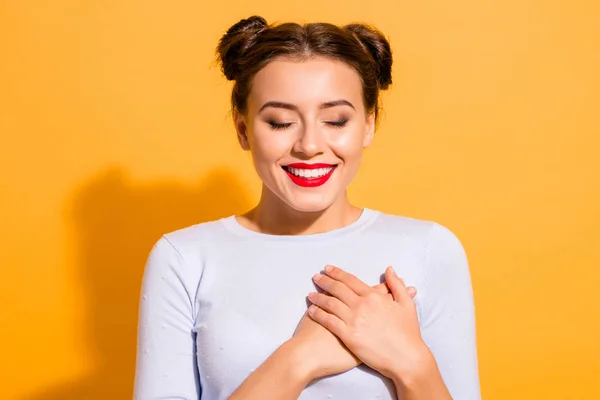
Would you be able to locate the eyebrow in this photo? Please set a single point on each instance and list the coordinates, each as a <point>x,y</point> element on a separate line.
<point>288,106</point>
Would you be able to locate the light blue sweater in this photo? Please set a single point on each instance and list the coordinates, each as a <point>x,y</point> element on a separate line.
<point>218,299</point>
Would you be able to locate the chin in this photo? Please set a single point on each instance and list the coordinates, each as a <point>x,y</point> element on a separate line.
<point>307,200</point>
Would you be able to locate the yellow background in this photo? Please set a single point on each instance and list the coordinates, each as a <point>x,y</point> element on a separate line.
<point>115,128</point>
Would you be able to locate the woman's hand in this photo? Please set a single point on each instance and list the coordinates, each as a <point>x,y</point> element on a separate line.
<point>324,353</point>
<point>381,331</point>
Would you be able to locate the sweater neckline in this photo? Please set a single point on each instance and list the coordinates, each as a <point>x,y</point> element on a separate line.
<point>367,216</point>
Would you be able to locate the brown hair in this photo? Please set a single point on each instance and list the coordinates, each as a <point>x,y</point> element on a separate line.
<point>251,44</point>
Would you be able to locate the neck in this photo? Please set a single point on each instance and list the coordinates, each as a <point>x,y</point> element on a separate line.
<point>273,216</point>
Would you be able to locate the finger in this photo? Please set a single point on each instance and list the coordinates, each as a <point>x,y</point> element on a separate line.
<point>331,304</point>
<point>351,281</point>
<point>335,288</point>
<point>330,322</point>
<point>383,289</point>
<point>412,291</point>
<point>396,285</point>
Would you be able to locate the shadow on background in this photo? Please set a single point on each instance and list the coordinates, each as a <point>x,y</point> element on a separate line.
<point>117,223</point>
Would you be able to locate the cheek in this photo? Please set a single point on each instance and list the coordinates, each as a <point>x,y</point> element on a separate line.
<point>268,147</point>
<point>348,145</point>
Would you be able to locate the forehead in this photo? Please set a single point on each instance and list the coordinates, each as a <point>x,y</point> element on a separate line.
<point>306,83</point>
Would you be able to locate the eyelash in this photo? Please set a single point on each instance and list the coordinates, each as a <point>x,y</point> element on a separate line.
<point>276,127</point>
<point>334,124</point>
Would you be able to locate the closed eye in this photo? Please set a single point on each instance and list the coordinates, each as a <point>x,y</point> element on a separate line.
<point>279,126</point>
<point>337,124</point>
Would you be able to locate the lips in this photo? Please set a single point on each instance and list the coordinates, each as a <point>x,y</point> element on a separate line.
<point>309,175</point>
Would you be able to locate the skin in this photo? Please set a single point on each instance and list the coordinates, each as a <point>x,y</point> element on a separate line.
<point>284,207</point>
<point>312,111</point>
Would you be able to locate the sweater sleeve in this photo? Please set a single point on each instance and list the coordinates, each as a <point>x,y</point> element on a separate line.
<point>448,315</point>
<point>166,363</point>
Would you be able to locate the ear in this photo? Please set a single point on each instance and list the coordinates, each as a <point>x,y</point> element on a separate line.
<point>369,130</point>
<point>242,130</point>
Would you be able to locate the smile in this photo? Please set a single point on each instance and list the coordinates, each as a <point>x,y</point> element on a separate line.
<point>309,175</point>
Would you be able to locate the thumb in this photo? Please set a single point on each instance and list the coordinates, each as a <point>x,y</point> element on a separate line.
<point>396,285</point>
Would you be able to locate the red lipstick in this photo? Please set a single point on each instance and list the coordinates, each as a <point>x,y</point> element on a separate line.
<point>306,181</point>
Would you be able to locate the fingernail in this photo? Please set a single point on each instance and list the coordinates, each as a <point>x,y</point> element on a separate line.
<point>328,268</point>
<point>392,269</point>
<point>317,277</point>
<point>312,309</point>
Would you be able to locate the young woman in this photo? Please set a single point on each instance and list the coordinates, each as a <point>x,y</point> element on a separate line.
<point>287,300</point>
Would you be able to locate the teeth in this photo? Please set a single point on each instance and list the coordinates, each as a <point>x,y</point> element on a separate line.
<point>310,173</point>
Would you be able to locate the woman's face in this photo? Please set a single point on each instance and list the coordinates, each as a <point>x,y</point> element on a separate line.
<point>306,127</point>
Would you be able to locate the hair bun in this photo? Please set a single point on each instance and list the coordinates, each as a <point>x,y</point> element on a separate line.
<point>378,47</point>
<point>237,41</point>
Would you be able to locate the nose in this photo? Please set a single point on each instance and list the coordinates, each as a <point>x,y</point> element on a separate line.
<point>310,142</point>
